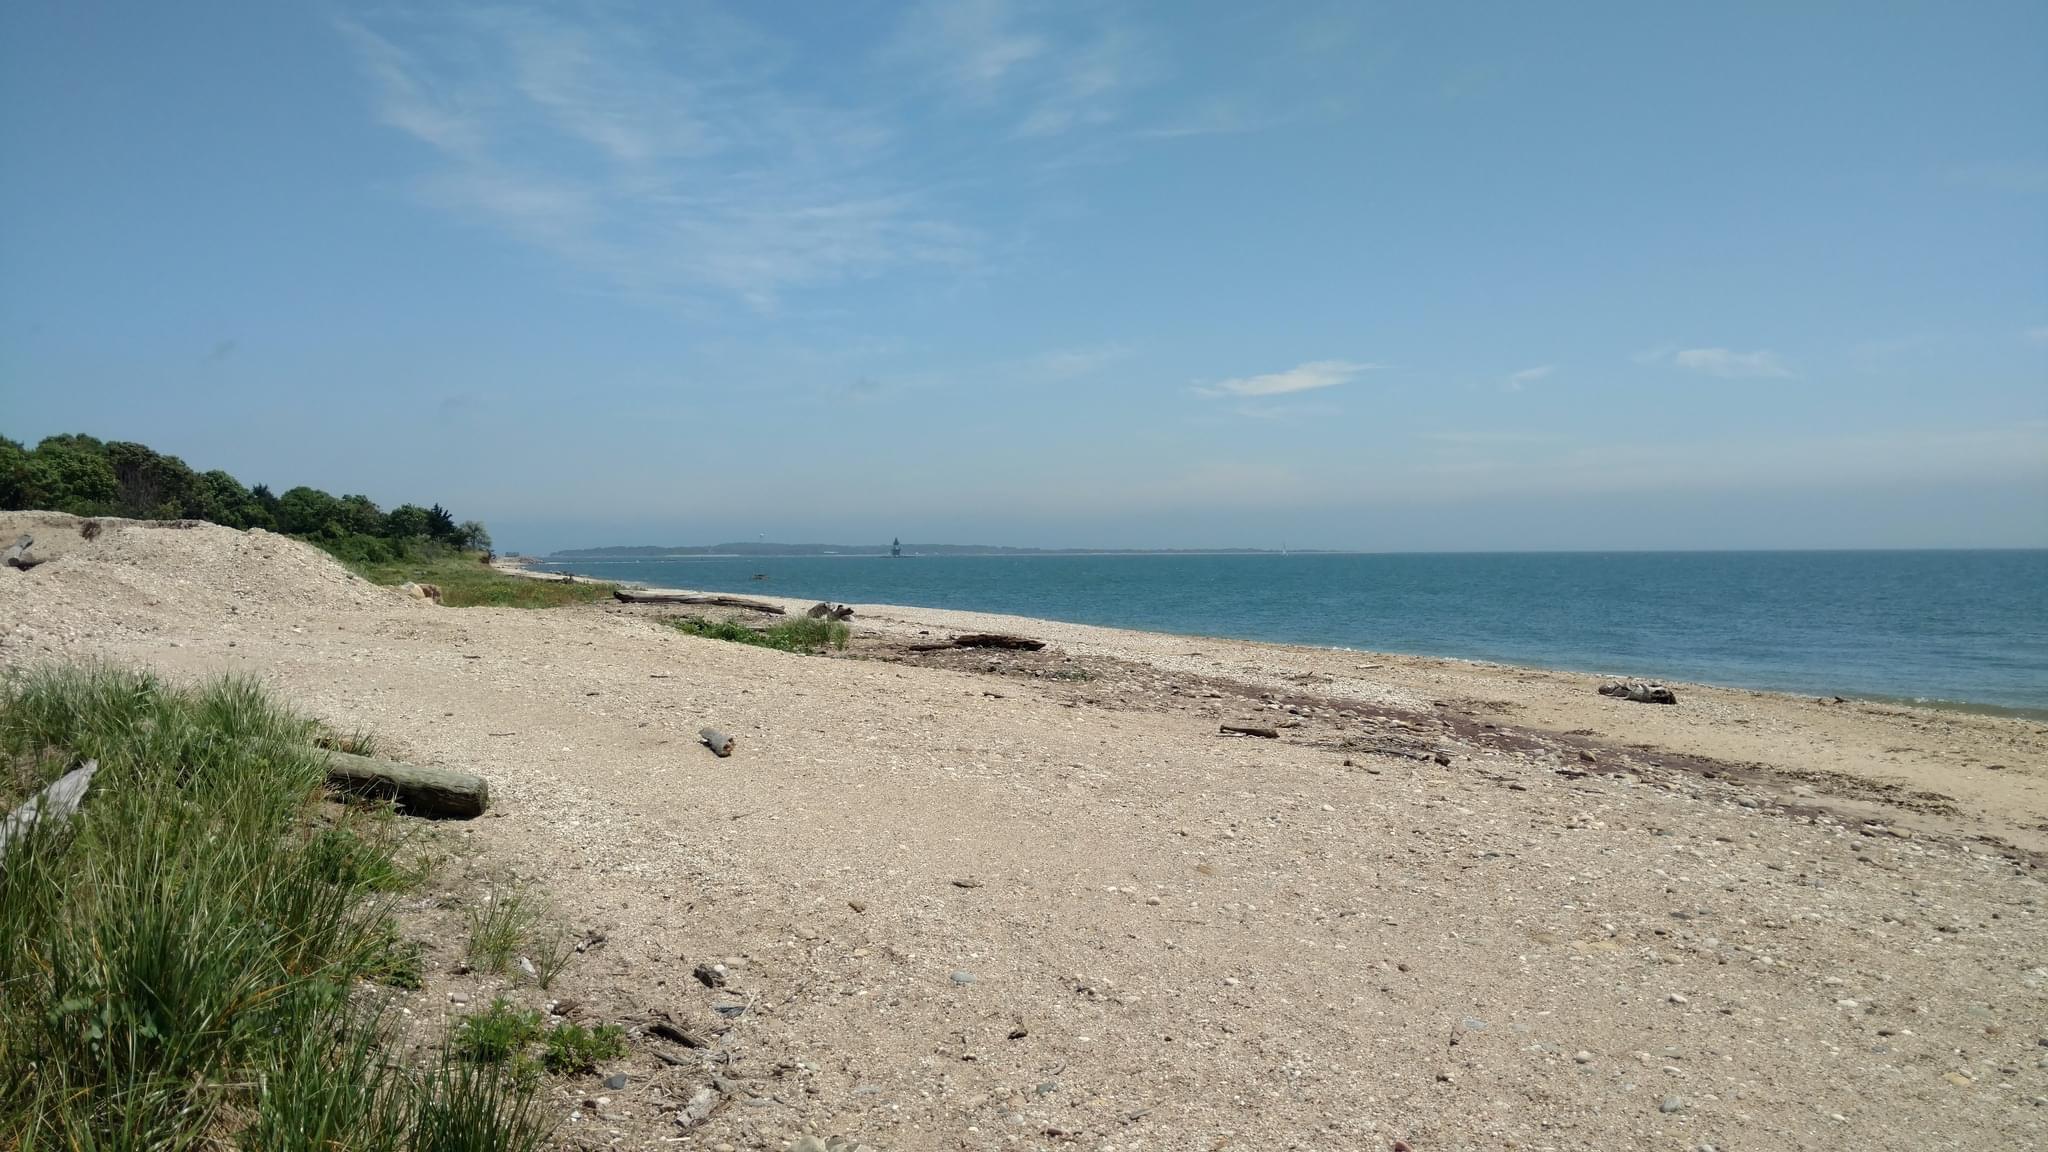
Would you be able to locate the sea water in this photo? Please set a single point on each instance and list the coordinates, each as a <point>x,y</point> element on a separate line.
<point>1951,627</point>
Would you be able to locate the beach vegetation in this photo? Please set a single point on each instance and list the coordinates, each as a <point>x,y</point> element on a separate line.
<point>500,925</point>
<point>498,1033</point>
<point>196,958</point>
<point>572,1048</point>
<point>466,582</point>
<point>801,634</point>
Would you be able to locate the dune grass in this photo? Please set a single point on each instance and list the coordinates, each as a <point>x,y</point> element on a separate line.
<point>801,634</point>
<point>467,582</point>
<point>194,959</point>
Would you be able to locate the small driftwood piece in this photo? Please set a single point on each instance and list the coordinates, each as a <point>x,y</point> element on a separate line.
<point>717,741</point>
<point>651,596</point>
<point>830,611</point>
<point>436,792</point>
<point>17,554</point>
<point>1250,730</point>
<point>52,806</point>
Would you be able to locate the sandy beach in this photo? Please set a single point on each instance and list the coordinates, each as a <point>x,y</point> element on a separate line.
<point>972,899</point>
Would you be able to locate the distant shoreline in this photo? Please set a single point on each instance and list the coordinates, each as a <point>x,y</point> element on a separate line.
<point>804,551</point>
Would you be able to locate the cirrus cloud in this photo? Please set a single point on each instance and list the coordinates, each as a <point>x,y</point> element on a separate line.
<point>1731,365</point>
<point>1305,377</point>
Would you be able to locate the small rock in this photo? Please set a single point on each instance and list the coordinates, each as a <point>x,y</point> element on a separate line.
<point>709,975</point>
<point>857,905</point>
<point>1678,998</point>
<point>615,1081</point>
<point>963,976</point>
<point>458,997</point>
<point>1958,1079</point>
<point>1671,1104</point>
<point>526,966</point>
<point>1582,1056</point>
<point>808,1144</point>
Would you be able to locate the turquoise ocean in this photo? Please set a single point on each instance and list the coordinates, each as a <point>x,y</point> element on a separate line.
<point>1955,627</point>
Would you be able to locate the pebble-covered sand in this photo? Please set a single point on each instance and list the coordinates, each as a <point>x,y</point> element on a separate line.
<point>972,900</point>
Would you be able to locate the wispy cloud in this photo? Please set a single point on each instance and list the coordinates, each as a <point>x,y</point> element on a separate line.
<point>1300,378</point>
<point>1048,83</point>
<point>712,177</point>
<point>970,46</point>
<point>1083,90</point>
<point>1518,380</point>
<point>1725,363</point>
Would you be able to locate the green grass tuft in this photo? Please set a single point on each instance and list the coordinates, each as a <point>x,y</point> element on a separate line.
<point>802,634</point>
<point>179,962</point>
<point>499,927</point>
<point>467,582</point>
<point>574,1048</point>
<point>496,1034</point>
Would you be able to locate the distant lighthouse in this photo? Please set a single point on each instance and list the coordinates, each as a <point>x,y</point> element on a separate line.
<point>896,546</point>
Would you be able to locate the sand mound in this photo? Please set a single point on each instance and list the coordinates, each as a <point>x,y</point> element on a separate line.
<point>145,578</point>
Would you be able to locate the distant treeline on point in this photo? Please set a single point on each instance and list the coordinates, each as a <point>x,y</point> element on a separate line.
<point>90,477</point>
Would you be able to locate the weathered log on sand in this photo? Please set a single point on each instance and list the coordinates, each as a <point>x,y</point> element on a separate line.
<point>1639,691</point>
<point>825,610</point>
<point>52,806</point>
<point>717,741</point>
<point>651,596</point>
<point>17,554</point>
<point>997,640</point>
<point>1250,730</point>
<point>421,791</point>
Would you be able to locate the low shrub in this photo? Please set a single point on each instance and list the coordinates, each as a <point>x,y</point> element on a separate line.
<point>801,634</point>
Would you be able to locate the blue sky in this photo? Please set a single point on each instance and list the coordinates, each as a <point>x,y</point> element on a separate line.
<point>1175,274</point>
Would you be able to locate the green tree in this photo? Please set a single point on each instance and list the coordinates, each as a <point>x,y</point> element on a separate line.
<point>152,486</point>
<point>440,523</point>
<point>406,522</point>
<point>306,511</point>
<point>71,474</point>
<point>267,501</point>
<point>360,516</point>
<point>14,468</point>
<point>471,536</point>
<point>223,500</point>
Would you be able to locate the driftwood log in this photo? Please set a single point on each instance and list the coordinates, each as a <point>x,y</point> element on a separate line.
<point>983,640</point>
<point>997,640</point>
<point>830,611</point>
<point>52,806</point>
<point>17,554</point>
<point>1639,691</point>
<point>717,741</point>
<point>436,792</point>
<point>652,596</point>
<point>1250,730</point>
